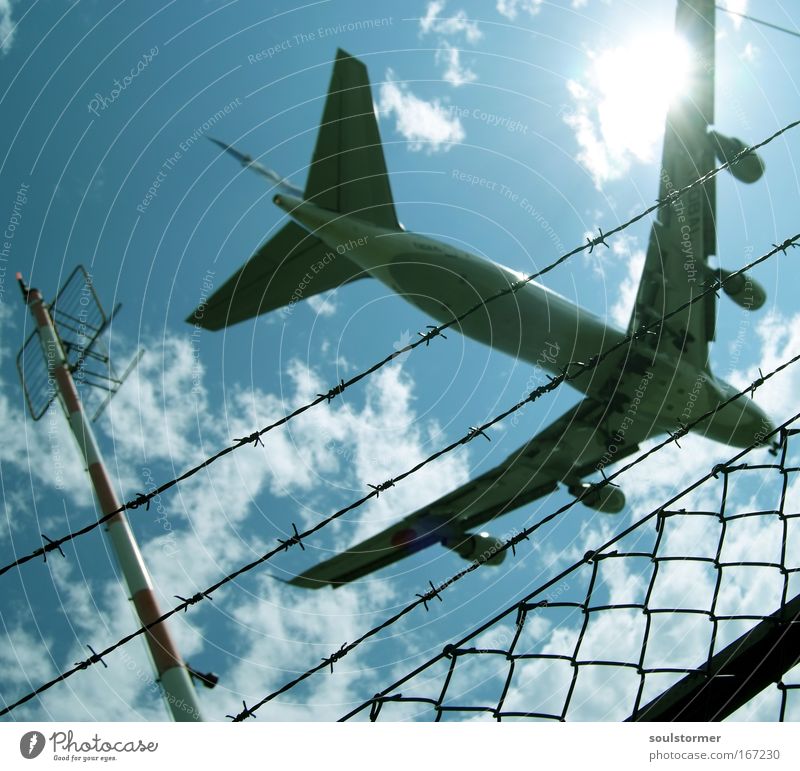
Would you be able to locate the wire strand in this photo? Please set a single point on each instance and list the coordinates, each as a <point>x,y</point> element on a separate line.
<point>758,21</point>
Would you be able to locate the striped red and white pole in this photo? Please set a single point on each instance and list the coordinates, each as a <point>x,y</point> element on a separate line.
<point>170,669</point>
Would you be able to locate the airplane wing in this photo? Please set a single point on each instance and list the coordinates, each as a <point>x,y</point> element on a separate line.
<point>683,236</point>
<point>582,441</point>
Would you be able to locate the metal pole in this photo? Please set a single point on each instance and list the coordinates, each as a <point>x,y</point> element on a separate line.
<point>170,669</point>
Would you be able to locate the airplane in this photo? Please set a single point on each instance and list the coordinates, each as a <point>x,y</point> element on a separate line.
<point>344,228</point>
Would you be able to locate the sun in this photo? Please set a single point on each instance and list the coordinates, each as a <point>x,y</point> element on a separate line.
<point>634,85</point>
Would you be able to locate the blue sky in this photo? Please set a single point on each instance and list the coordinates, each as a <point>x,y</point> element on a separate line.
<point>534,98</point>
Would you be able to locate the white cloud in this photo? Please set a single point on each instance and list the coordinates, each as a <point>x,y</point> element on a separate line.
<point>447,54</point>
<point>426,125</point>
<point>348,449</point>
<point>455,73</point>
<point>322,304</point>
<point>663,474</point>
<point>457,24</point>
<point>779,337</point>
<point>21,661</point>
<point>216,521</point>
<point>7,26</point>
<point>593,153</point>
<point>749,53</point>
<point>619,106</point>
<point>281,628</point>
<point>8,328</point>
<point>625,253</point>
<point>623,307</point>
<point>153,403</point>
<point>43,452</point>
<point>511,8</point>
<point>737,6</point>
<point>431,16</point>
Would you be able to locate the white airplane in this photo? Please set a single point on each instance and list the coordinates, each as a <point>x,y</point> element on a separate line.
<point>344,227</point>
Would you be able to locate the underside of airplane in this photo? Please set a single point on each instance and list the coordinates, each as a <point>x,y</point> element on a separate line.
<point>343,228</point>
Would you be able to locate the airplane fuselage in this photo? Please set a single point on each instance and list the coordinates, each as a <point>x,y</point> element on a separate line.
<point>534,323</point>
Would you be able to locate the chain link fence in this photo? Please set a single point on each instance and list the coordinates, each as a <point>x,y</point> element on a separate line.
<point>691,613</point>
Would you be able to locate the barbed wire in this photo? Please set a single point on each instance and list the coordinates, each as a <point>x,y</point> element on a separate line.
<point>511,543</point>
<point>297,538</point>
<point>423,599</point>
<point>143,499</point>
<point>690,707</point>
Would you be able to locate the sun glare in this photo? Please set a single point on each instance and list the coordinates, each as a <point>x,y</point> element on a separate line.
<point>634,86</point>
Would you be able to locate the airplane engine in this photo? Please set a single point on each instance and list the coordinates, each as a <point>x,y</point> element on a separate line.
<point>477,547</point>
<point>744,290</point>
<point>608,499</point>
<point>747,169</point>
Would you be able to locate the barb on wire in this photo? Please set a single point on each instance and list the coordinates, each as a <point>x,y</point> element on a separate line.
<point>93,659</point>
<point>382,487</point>
<point>49,546</point>
<point>334,657</point>
<point>193,600</point>
<point>284,545</point>
<point>600,239</point>
<point>675,435</point>
<point>243,715</point>
<point>516,540</point>
<point>788,243</point>
<point>333,393</point>
<point>606,480</point>
<point>475,431</point>
<point>757,382</point>
<point>295,539</point>
<point>140,500</point>
<point>254,439</point>
<point>714,285</point>
<point>429,595</point>
<point>434,331</point>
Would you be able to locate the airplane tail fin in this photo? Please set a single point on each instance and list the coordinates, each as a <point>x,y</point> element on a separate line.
<point>347,175</point>
<point>348,170</point>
